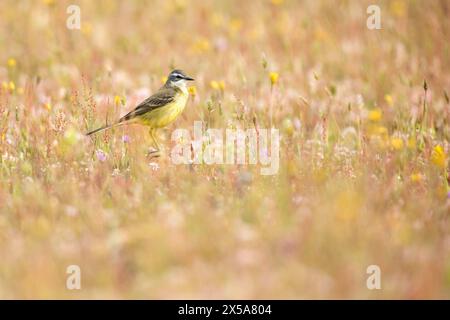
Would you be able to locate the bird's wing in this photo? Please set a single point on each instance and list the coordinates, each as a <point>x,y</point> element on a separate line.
<point>158,100</point>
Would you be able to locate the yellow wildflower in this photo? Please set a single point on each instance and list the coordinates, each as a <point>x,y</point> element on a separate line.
<point>375,115</point>
<point>288,126</point>
<point>398,8</point>
<point>119,100</point>
<point>11,86</point>
<point>382,130</point>
<point>397,143</point>
<point>389,100</point>
<point>416,177</point>
<point>277,2</point>
<point>86,28</point>
<point>192,90</point>
<point>163,79</point>
<point>273,76</point>
<point>12,62</point>
<point>214,84</point>
<point>48,106</point>
<point>201,45</point>
<point>438,157</point>
<point>180,5</point>
<point>217,85</point>
<point>235,25</point>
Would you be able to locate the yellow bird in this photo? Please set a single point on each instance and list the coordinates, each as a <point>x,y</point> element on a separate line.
<point>160,109</point>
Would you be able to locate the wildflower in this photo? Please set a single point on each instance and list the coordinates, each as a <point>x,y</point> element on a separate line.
<point>8,86</point>
<point>277,2</point>
<point>389,100</point>
<point>273,76</point>
<point>416,177</point>
<point>235,25</point>
<point>101,156</point>
<point>180,5</point>
<point>119,100</point>
<point>163,79</point>
<point>11,62</point>
<point>11,86</point>
<point>398,8</point>
<point>201,45</point>
<point>288,126</point>
<point>214,84</point>
<point>381,130</point>
<point>438,157</point>
<point>48,106</point>
<point>375,115</point>
<point>125,138</point>
<point>397,143</point>
<point>86,28</point>
<point>192,90</point>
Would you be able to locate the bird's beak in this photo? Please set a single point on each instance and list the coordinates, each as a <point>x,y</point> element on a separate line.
<point>188,78</point>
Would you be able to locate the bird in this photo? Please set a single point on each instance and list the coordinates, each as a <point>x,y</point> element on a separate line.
<point>160,109</point>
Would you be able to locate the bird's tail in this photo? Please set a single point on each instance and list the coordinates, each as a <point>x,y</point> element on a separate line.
<point>119,123</point>
<point>127,119</point>
<point>99,129</point>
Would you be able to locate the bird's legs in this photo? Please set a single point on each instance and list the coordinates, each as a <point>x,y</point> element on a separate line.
<point>157,151</point>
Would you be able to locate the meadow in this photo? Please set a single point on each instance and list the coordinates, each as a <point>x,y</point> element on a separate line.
<point>363,175</point>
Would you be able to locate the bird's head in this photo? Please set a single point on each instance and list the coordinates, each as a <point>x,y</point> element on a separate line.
<point>178,78</point>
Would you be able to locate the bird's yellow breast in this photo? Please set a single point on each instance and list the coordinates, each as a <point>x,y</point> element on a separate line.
<point>167,114</point>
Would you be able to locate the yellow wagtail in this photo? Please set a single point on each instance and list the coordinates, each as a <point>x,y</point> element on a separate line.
<point>160,109</point>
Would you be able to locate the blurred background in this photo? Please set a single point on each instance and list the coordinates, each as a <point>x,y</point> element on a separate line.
<point>363,176</point>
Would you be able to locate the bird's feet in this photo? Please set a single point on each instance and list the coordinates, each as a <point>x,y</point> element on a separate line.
<point>154,153</point>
